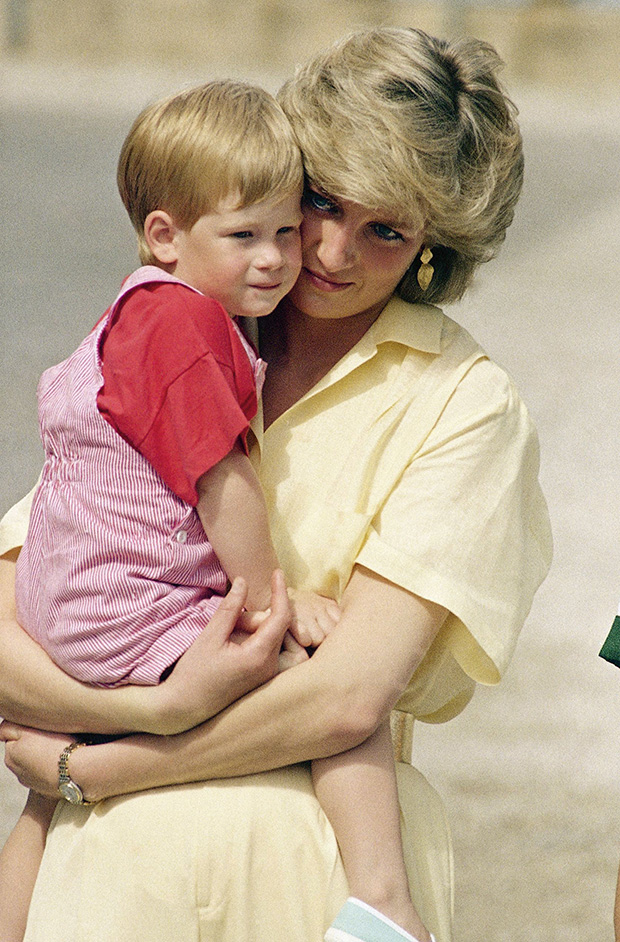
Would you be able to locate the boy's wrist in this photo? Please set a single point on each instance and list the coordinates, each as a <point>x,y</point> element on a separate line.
<point>262,600</point>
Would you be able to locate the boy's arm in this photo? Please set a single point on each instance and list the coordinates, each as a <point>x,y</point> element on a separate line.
<point>233,513</point>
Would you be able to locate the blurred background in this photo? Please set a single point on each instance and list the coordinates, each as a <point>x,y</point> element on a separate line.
<point>530,772</point>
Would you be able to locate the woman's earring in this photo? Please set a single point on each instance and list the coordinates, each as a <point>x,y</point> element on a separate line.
<point>425,271</point>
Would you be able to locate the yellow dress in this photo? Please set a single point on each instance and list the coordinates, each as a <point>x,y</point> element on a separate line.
<point>415,458</point>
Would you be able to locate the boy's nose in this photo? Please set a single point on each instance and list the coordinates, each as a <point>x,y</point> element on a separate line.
<point>270,256</point>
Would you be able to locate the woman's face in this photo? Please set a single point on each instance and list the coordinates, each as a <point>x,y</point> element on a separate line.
<point>352,258</point>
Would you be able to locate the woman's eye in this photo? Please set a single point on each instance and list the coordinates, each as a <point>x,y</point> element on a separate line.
<point>320,202</point>
<point>386,232</point>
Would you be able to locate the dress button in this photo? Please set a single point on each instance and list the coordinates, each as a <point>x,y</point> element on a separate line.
<point>181,536</point>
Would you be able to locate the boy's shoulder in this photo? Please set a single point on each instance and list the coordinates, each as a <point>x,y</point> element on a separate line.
<point>157,289</point>
<point>166,321</point>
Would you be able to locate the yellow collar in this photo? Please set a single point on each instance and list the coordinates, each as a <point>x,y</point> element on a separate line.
<point>417,326</point>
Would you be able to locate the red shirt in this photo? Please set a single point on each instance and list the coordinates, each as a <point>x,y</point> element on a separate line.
<point>178,383</point>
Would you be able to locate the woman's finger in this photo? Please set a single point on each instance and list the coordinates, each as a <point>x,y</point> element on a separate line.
<point>235,598</point>
<point>307,633</point>
<point>280,606</point>
<point>334,610</point>
<point>326,622</point>
<point>229,611</point>
<point>271,631</point>
<point>248,622</point>
<point>292,653</point>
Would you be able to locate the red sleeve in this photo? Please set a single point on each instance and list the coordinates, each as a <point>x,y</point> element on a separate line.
<point>177,382</point>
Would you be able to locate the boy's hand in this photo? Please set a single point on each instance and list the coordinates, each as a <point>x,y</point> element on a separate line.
<point>313,617</point>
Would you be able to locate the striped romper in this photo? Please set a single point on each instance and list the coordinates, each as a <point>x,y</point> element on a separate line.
<point>116,577</point>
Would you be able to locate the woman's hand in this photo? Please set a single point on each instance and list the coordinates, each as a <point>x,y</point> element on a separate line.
<point>292,653</point>
<point>32,756</point>
<point>224,663</point>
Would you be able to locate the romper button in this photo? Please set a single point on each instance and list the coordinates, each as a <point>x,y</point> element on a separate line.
<point>181,536</point>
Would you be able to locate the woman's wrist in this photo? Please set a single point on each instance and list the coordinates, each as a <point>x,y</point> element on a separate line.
<point>119,767</point>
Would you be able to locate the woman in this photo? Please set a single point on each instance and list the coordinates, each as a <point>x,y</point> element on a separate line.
<point>400,469</point>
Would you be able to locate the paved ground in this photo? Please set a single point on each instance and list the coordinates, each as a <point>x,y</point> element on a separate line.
<point>531,771</point>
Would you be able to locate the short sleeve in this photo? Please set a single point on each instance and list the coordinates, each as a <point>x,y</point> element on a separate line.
<point>467,525</point>
<point>178,383</point>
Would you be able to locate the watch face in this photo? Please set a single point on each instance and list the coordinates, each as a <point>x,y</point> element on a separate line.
<point>71,792</point>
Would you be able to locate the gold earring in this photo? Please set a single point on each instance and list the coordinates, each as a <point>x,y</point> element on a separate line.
<point>425,271</point>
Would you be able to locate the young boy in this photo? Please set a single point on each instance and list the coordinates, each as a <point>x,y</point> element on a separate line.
<point>148,502</point>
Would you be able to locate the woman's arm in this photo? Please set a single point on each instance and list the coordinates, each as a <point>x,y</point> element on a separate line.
<point>35,692</point>
<point>329,704</point>
<point>222,666</point>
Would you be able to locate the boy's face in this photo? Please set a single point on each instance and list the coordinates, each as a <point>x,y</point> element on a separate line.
<point>247,259</point>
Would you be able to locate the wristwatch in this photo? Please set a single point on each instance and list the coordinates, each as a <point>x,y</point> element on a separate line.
<point>69,790</point>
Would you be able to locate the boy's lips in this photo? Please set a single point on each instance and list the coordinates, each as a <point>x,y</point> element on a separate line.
<point>325,283</point>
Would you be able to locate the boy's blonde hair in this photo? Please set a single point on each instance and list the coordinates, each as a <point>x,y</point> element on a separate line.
<point>421,128</point>
<point>188,152</point>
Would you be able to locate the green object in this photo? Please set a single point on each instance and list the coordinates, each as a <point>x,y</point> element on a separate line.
<point>611,649</point>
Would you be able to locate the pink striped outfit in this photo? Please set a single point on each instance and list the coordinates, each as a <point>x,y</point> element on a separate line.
<point>116,578</point>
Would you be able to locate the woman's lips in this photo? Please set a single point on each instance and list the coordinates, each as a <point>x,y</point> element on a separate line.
<point>324,283</point>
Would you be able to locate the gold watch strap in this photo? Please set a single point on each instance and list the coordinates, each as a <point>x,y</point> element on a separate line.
<point>64,778</point>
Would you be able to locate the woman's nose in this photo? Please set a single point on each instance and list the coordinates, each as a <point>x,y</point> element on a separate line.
<point>336,249</point>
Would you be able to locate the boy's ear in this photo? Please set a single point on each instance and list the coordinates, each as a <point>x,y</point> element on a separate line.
<point>160,233</point>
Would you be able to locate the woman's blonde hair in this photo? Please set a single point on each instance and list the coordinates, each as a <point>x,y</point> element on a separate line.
<point>188,152</point>
<point>419,128</point>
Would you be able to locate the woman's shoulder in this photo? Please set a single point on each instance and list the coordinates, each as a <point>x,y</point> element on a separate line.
<point>486,381</point>
<point>469,383</point>
<point>487,411</point>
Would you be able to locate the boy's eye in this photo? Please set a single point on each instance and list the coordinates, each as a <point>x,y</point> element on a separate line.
<point>243,234</point>
<point>320,202</point>
<point>386,232</point>
<point>284,229</point>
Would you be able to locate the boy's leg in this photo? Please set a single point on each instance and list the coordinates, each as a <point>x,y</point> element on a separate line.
<point>357,922</point>
<point>357,791</point>
<point>19,865</point>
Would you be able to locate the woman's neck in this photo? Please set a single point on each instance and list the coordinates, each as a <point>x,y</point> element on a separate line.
<point>300,351</point>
